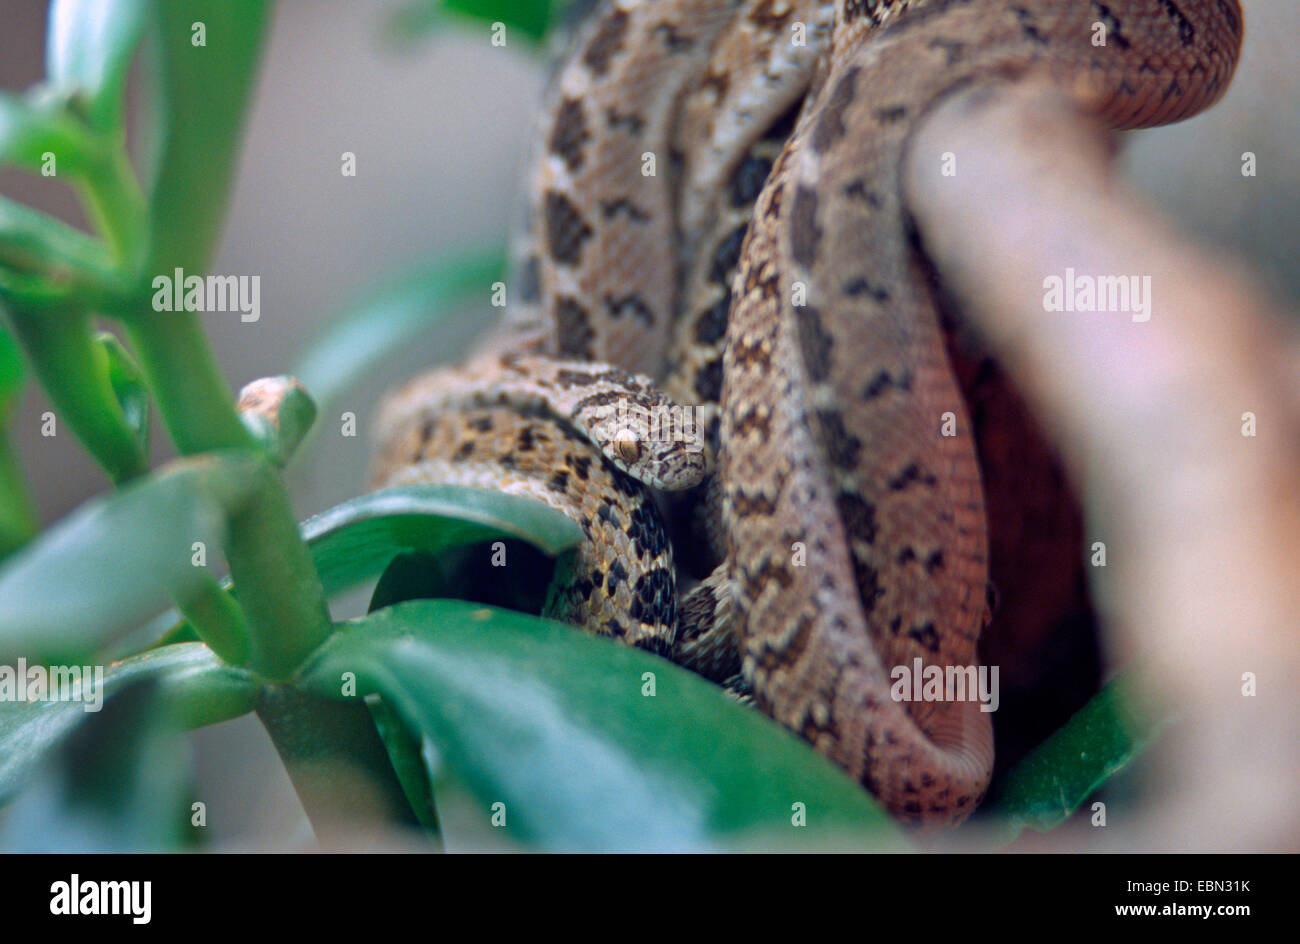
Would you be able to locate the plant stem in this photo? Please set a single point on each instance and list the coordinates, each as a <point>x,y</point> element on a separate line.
<point>18,519</point>
<point>338,765</point>
<point>116,205</point>
<point>217,618</point>
<point>72,371</point>
<point>279,589</point>
<point>193,399</point>
<point>205,93</point>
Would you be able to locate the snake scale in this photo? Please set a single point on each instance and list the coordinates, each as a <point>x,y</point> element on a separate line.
<point>715,207</point>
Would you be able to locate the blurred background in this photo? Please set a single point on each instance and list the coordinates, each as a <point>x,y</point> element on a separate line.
<point>439,126</point>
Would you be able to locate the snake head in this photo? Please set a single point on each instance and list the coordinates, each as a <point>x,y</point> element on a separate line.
<point>653,440</point>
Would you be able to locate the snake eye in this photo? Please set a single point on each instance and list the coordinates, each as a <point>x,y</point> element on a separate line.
<point>626,446</point>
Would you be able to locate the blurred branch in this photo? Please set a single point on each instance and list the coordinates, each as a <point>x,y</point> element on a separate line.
<point>1202,518</point>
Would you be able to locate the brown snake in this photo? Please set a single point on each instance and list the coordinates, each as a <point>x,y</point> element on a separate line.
<point>852,521</point>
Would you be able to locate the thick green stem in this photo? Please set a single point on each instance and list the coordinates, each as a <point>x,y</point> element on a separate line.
<point>117,207</point>
<point>205,92</point>
<point>338,765</point>
<point>18,519</point>
<point>195,404</point>
<point>218,620</point>
<point>72,370</point>
<point>279,589</point>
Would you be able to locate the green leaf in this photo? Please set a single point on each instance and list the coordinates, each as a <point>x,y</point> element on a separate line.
<point>1103,738</point>
<point>118,784</point>
<point>113,562</point>
<point>356,540</point>
<point>196,689</point>
<point>12,373</point>
<point>361,341</point>
<point>89,46</point>
<point>554,724</point>
<point>405,755</point>
<point>128,386</point>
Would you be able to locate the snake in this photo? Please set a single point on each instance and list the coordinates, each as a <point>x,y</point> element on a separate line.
<point>715,222</point>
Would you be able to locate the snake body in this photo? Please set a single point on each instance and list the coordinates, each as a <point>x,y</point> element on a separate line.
<point>848,510</point>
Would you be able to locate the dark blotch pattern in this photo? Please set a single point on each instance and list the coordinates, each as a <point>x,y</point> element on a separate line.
<point>815,342</point>
<point>574,326</point>
<point>674,39</point>
<point>748,180</point>
<point>632,123</point>
<point>654,598</point>
<point>804,234</point>
<point>617,575</point>
<point>746,505</point>
<point>934,563</point>
<point>830,126</point>
<point>646,529</point>
<point>883,382</point>
<point>859,288</point>
<point>606,43</point>
<point>1186,31</point>
<point>926,635</point>
<point>610,209</point>
<point>858,516</point>
<point>867,579</point>
<point>765,15</point>
<point>842,448</point>
<point>953,50</point>
<point>629,305</point>
<point>530,281</point>
<point>912,474</point>
<point>753,422</point>
<point>858,190</point>
<point>727,256</point>
<point>624,482</point>
<point>1028,27</point>
<point>708,381</point>
<point>711,325</point>
<point>569,135</point>
<point>566,231</point>
<point>857,9</point>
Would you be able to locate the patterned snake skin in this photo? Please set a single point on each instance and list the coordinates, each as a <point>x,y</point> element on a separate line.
<point>715,204</point>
